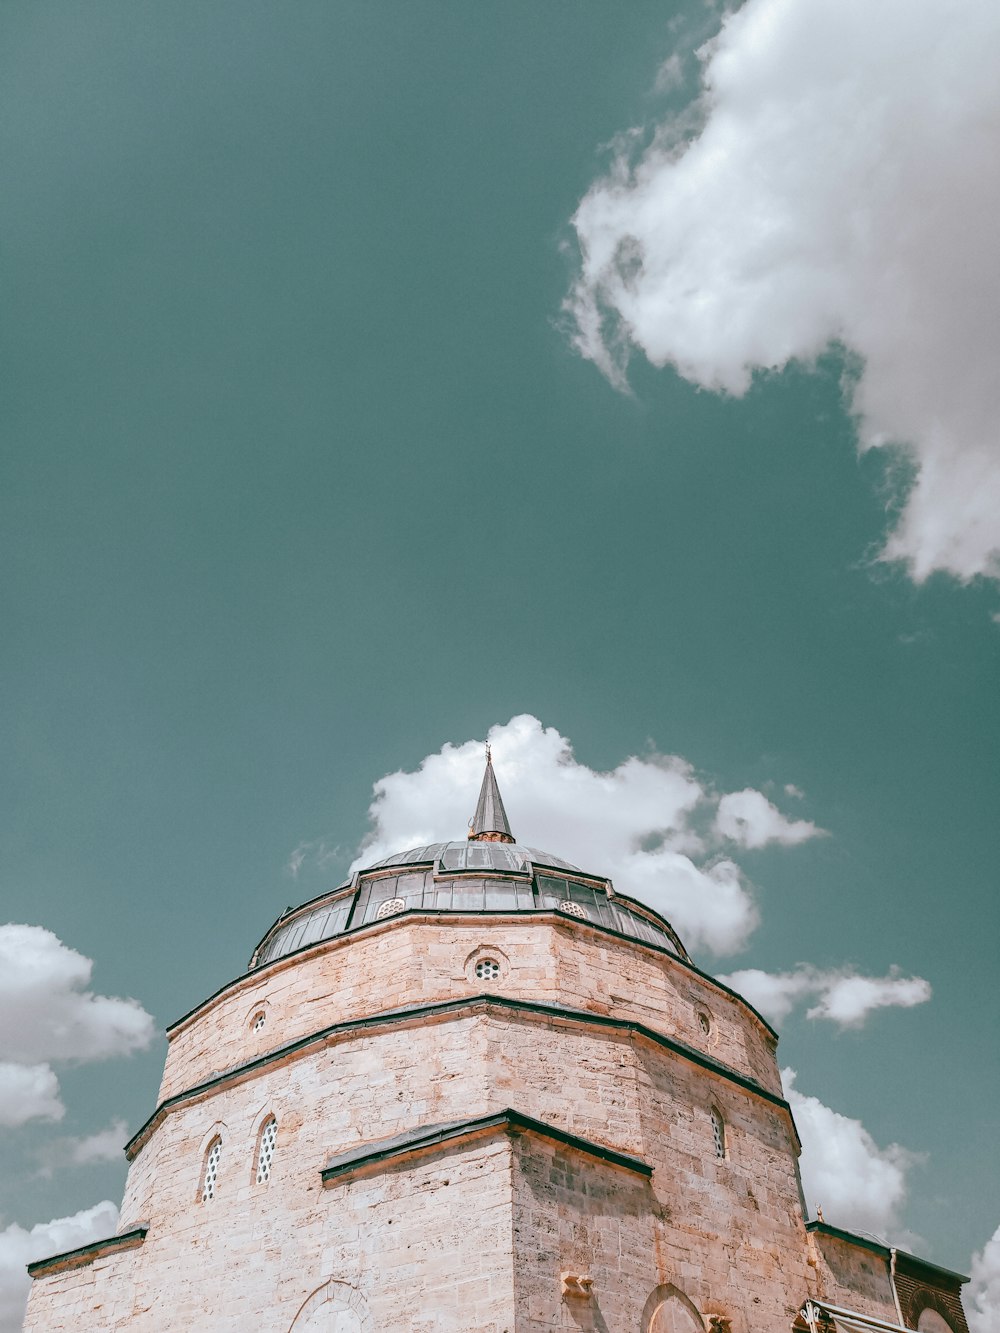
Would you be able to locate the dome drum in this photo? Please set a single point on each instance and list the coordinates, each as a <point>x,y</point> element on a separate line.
<point>459,877</point>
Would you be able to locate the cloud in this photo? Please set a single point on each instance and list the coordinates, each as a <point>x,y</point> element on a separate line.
<point>49,1015</point>
<point>28,1092</point>
<point>19,1247</point>
<point>859,1185</point>
<point>104,1145</point>
<point>837,183</point>
<point>982,1303</point>
<point>842,995</point>
<point>750,820</point>
<point>647,823</point>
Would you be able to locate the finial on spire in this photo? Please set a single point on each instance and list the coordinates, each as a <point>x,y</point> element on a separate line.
<point>489,823</point>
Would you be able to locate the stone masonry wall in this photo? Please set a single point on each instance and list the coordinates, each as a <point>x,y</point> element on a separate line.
<point>420,960</point>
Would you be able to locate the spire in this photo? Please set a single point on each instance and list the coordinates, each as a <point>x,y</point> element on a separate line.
<point>489,824</point>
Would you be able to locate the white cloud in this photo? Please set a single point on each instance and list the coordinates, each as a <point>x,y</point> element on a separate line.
<point>859,1185</point>
<point>639,823</point>
<point>28,1092</point>
<point>104,1145</point>
<point>982,1303</point>
<point>19,1247</point>
<point>750,820</point>
<point>842,995</point>
<point>49,1015</point>
<point>840,184</point>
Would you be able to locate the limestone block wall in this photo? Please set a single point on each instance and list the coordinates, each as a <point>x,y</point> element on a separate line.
<point>727,1232</point>
<point>421,960</point>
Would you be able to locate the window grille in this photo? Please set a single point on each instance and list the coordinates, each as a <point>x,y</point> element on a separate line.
<point>574,909</point>
<point>719,1132</point>
<point>265,1149</point>
<point>211,1170</point>
<point>705,1023</point>
<point>487,969</point>
<point>390,908</point>
<point>258,1022</point>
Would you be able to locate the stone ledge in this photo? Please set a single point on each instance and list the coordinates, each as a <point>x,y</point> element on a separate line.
<point>448,1009</point>
<point>432,1136</point>
<point>86,1254</point>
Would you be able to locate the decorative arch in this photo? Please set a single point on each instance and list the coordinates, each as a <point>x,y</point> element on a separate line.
<point>335,1307</point>
<point>931,1321</point>
<point>668,1310</point>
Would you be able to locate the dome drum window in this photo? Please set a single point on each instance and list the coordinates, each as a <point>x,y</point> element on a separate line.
<point>574,909</point>
<point>487,969</point>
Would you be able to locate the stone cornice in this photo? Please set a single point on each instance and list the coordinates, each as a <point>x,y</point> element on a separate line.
<point>445,1010</point>
<point>460,1131</point>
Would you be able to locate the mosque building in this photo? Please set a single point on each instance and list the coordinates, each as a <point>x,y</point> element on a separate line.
<point>476,1090</point>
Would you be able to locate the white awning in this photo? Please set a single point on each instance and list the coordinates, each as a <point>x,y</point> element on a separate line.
<point>848,1321</point>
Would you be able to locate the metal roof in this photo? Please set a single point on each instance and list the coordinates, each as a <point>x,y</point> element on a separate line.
<point>490,816</point>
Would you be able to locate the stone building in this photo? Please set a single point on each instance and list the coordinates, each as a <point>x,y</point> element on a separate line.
<point>476,1089</point>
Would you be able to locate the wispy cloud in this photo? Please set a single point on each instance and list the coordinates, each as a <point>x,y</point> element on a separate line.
<point>104,1145</point>
<point>858,1185</point>
<point>750,820</point>
<point>836,183</point>
<point>843,996</point>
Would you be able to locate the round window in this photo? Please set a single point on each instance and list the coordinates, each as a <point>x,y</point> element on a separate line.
<point>487,969</point>
<point>390,908</point>
<point>704,1022</point>
<point>574,909</point>
<point>258,1022</point>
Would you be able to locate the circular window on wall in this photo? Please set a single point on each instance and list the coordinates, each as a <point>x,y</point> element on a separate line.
<point>574,909</point>
<point>488,969</point>
<point>259,1020</point>
<point>390,908</point>
<point>705,1023</point>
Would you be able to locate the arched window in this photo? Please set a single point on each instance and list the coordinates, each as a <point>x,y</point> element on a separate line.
<point>719,1132</point>
<point>266,1140</point>
<point>210,1173</point>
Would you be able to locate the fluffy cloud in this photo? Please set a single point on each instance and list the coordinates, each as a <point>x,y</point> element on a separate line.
<point>642,823</point>
<point>749,819</point>
<point>49,1015</point>
<point>19,1247</point>
<point>842,996</point>
<point>859,1185</point>
<point>982,1304</point>
<point>28,1092</point>
<point>840,186</point>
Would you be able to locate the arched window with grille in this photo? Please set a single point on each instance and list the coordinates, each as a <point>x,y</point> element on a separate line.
<point>210,1170</point>
<point>719,1132</point>
<point>266,1142</point>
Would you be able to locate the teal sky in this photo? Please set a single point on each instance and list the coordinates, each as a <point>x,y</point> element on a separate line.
<point>300,479</point>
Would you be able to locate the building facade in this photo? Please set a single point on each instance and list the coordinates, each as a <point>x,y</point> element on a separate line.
<point>476,1090</point>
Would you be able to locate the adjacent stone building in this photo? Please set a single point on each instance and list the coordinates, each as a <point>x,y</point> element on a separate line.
<point>476,1089</point>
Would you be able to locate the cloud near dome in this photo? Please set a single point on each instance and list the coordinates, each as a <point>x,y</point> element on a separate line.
<point>648,823</point>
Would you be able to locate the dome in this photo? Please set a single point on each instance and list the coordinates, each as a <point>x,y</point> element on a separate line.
<point>486,873</point>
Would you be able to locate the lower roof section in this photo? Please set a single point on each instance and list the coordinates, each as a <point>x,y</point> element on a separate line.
<point>430,1137</point>
<point>86,1254</point>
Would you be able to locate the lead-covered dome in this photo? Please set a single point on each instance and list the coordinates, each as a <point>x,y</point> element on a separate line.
<point>488,873</point>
